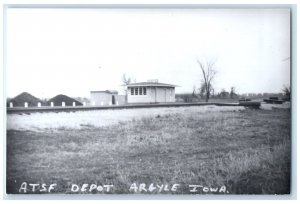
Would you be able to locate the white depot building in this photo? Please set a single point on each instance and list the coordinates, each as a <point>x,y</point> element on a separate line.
<point>150,92</point>
<point>108,97</point>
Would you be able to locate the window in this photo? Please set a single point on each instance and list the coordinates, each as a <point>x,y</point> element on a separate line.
<point>138,91</point>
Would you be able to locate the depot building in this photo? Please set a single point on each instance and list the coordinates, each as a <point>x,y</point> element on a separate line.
<point>150,92</point>
<point>106,98</point>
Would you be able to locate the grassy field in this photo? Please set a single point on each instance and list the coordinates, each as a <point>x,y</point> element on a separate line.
<point>80,119</point>
<point>248,151</point>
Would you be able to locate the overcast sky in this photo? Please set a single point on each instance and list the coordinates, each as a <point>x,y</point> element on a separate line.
<point>75,51</point>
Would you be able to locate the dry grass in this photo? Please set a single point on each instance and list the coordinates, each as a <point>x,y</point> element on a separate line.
<point>248,151</point>
<point>98,118</point>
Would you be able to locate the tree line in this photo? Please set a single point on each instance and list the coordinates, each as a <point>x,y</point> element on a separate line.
<point>206,89</point>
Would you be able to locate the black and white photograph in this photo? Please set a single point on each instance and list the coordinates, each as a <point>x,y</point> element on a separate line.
<point>148,100</point>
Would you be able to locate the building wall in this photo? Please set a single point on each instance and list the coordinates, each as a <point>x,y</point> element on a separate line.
<point>172,95</point>
<point>154,95</point>
<point>139,98</point>
<point>120,99</point>
<point>165,95</point>
<point>105,99</point>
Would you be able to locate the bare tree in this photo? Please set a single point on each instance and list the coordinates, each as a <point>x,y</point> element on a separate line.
<point>233,92</point>
<point>194,91</point>
<point>223,94</point>
<point>287,92</point>
<point>208,74</point>
<point>202,91</point>
<point>212,93</point>
<point>125,82</point>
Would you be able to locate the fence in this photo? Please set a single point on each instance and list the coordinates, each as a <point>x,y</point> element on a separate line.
<point>63,104</point>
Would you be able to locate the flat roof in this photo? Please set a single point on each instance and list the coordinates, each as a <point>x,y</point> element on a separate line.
<point>106,91</point>
<point>152,84</point>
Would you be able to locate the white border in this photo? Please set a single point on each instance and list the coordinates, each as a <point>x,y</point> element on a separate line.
<point>295,75</point>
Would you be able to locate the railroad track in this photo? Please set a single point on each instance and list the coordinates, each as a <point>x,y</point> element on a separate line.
<point>128,106</point>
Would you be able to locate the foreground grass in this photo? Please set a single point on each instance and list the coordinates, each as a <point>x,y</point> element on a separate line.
<point>247,151</point>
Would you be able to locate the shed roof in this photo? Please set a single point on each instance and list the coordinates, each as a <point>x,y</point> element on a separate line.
<point>152,84</point>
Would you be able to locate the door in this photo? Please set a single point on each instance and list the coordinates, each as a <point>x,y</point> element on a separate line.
<point>113,100</point>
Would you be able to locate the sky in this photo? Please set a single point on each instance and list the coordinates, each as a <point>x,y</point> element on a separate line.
<point>75,51</point>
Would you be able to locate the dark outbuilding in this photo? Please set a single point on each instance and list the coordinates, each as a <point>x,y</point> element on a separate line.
<point>59,99</point>
<point>21,99</point>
